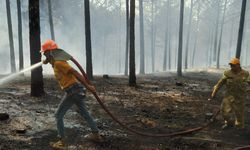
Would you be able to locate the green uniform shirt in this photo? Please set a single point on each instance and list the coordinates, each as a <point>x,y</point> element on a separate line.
<point>236,84</point>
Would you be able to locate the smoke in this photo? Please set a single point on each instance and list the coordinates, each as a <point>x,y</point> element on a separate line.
<point>108,33</point>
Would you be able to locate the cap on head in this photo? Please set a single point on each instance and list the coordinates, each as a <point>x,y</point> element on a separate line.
<point>234,61</point>
<point>49,45</point>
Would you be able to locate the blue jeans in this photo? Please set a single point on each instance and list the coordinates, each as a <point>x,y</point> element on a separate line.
<point>74,95</point>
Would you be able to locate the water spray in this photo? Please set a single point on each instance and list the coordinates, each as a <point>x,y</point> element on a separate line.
<point>12,76</point>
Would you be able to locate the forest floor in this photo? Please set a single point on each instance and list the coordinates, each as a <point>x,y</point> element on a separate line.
<point>160,103</point>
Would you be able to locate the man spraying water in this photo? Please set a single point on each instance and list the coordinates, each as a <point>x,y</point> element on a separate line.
<point>71,82</point>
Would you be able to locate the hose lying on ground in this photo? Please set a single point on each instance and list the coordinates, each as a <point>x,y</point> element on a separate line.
<point>137,132</point>
<point>247,147</point>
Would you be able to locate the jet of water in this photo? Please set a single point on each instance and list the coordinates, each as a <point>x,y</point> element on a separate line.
<point>12,76</point>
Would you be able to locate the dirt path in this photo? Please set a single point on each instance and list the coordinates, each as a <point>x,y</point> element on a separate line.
<point>159,104</point>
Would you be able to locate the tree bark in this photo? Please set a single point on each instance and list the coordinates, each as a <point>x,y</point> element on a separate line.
<point>216,31</point>
<point>142,57</point>
<point>12,52</point>
<point>196,34</point>
<point>166,39</point>
<point>169,40</point>
<point>220,39</point>
<point>188,34</point>
<point>241,28</point>
<point>35,46</point>
<point>179,66</point>
<point>152,37</point>
<point>127,37</point>
<point>132,77</point>
<point>51,21</point>
<point>88,40</point>
<point>20,36</point>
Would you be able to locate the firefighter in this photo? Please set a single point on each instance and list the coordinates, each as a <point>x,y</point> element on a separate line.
<point>236,80</point>
<point>71,82</point>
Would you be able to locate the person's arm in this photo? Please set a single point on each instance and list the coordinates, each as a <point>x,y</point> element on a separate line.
<point>81,79</point>
<point>219,84</point>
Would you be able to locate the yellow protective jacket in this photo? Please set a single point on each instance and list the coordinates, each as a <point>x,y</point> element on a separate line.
<point>236,84</point>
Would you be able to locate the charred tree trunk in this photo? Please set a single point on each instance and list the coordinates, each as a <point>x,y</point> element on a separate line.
<point>169,51</point>
<point>196,34</point>
<point>169,40</point>
<point>51,21</point>
<point>208,49</point>
<point>216,31</point>
<point>88,40</point>
<point>152,37</point>
<point>220,39</point>
<point>20,35</point>
<point>132,77</point>
<point>241,28</point>
<point>120,37</point>
<point>35,45</point>
<point>127,37</point>
<point>211,47</point>
<point>188,34</point>
<point>166,39</point>
<point>179,66</point>
<point>104,54</point>
<point>12,52</point>
<point>142,57</point>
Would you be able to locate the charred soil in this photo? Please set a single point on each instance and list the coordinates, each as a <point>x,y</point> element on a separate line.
<point>160,103</point>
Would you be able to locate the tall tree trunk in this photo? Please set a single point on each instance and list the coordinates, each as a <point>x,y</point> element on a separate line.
<point>51,21</point>
<point>142,57</point>
<point>127,37</point>
<point>166,44</point>
<point>132,77</point>
<point>35,45</point>
<point>231,40</point>
<point>20,36</point>
<point>196,33</point>
<point>12,52</point>
<point>216,30</point>
<point>211,47</point>
<point>188,34</point>
<point>169,50</point>
<point>220,39</point>
<point>104,54</point>
<point>208,48</point>
<point>152,37</point>
<point>88,40</point>
<point>169,39</point>
<point>120,37</point>
<point>179,66</point>
<point>241,28</point>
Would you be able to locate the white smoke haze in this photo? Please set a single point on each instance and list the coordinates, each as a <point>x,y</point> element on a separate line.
<point>108,33</point>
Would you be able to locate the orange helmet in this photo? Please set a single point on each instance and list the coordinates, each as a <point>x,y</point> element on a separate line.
<point>234,61</point>
<point>49,45</point>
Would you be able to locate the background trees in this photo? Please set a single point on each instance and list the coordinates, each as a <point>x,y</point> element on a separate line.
<point>161,24</point>
<point>11,43</point>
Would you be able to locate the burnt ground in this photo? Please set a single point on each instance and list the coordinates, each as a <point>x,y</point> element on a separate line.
<point>160,103</point>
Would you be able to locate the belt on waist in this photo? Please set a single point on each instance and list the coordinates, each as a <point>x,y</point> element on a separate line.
<point>74,88</point>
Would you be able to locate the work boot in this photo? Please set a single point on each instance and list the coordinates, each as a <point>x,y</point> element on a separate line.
<point>95,137</point>
<point>59,145</point>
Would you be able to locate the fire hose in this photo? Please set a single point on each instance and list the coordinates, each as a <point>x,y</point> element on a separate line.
<point>247,147</point>
<point>137,132</point>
